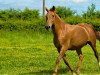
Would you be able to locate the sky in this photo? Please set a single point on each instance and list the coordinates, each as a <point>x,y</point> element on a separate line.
<point>78,5</point>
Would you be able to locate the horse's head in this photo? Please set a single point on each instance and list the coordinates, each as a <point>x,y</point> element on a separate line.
<point>50,17</point>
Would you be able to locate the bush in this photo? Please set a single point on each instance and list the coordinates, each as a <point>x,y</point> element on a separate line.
<point>28,19</point>
<point>35,25</point>
<point>78,19</point>
<point>64,12</point>
<point>29,14</point>
<point>73,20</point>
<point>26,14</point>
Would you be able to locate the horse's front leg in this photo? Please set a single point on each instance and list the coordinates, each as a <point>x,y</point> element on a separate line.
<point>61,54</point>
<point>79,52</point>
<point>66,62</point>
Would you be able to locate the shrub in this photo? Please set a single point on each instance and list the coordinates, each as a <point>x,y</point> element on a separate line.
<point>29,14</point>
<point>35,25</point>
<point>64,12</point>
<point>26,14</point>
<point>28,19</point>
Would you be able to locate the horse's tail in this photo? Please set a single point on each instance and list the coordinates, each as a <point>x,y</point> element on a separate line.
<point>98,35</point>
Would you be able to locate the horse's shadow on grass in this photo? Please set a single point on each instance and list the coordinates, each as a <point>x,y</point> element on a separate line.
<point>46,72</point>
<point>60,72</point>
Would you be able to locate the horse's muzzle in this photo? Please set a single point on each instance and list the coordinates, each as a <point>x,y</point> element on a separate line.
<point>47,27</point>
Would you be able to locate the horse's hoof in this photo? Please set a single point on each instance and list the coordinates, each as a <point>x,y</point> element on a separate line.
<point>99,64</point>
<point>74,73</point>
<point>55,73</point>
<point>78,72</point>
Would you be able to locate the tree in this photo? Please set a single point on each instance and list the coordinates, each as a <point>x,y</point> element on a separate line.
<point>90,12</point>
<point>64,12</point>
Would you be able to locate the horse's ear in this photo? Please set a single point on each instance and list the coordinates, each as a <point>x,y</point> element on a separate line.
<point>46,9</point>
<point>53,8</point>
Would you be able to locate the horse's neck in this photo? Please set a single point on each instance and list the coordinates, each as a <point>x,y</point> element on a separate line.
<point>58,25</point>
<point>58,22</point>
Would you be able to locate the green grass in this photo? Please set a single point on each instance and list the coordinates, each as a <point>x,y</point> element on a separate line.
<point>30,53</point>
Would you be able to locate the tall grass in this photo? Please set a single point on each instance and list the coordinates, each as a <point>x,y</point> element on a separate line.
<point>33,53</point>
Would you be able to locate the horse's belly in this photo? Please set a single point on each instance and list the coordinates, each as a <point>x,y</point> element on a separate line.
<point>77,45</point>
<point>78,40</point>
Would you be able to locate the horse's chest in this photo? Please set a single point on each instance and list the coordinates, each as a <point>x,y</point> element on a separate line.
<point>56,42</point>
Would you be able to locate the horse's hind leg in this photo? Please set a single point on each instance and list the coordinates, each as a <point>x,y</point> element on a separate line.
<point>95,51</point>
<point>79,52</point>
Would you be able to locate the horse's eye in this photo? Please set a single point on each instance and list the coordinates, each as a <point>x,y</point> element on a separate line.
<point>52,15</point>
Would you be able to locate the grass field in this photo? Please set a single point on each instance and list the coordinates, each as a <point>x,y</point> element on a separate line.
<point>29,53</point>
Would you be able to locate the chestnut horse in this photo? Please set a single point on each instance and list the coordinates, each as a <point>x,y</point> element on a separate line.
<point>70,37</point>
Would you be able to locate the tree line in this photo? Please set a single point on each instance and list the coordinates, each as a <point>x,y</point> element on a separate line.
<point>29,19</point>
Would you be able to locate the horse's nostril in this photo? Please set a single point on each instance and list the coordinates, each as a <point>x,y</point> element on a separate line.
<point>47,27</point>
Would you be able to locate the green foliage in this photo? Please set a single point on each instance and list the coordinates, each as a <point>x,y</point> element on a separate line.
<point>35,25</point>
<point>29,14</point>
<point>29,19</point>
<point>90,12</point>
<point>73,20</point>
<point>9,14</point>
<point>26,14</point>
<point>97,14</point>
<point>77,19</point>
<point>64,12</point>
